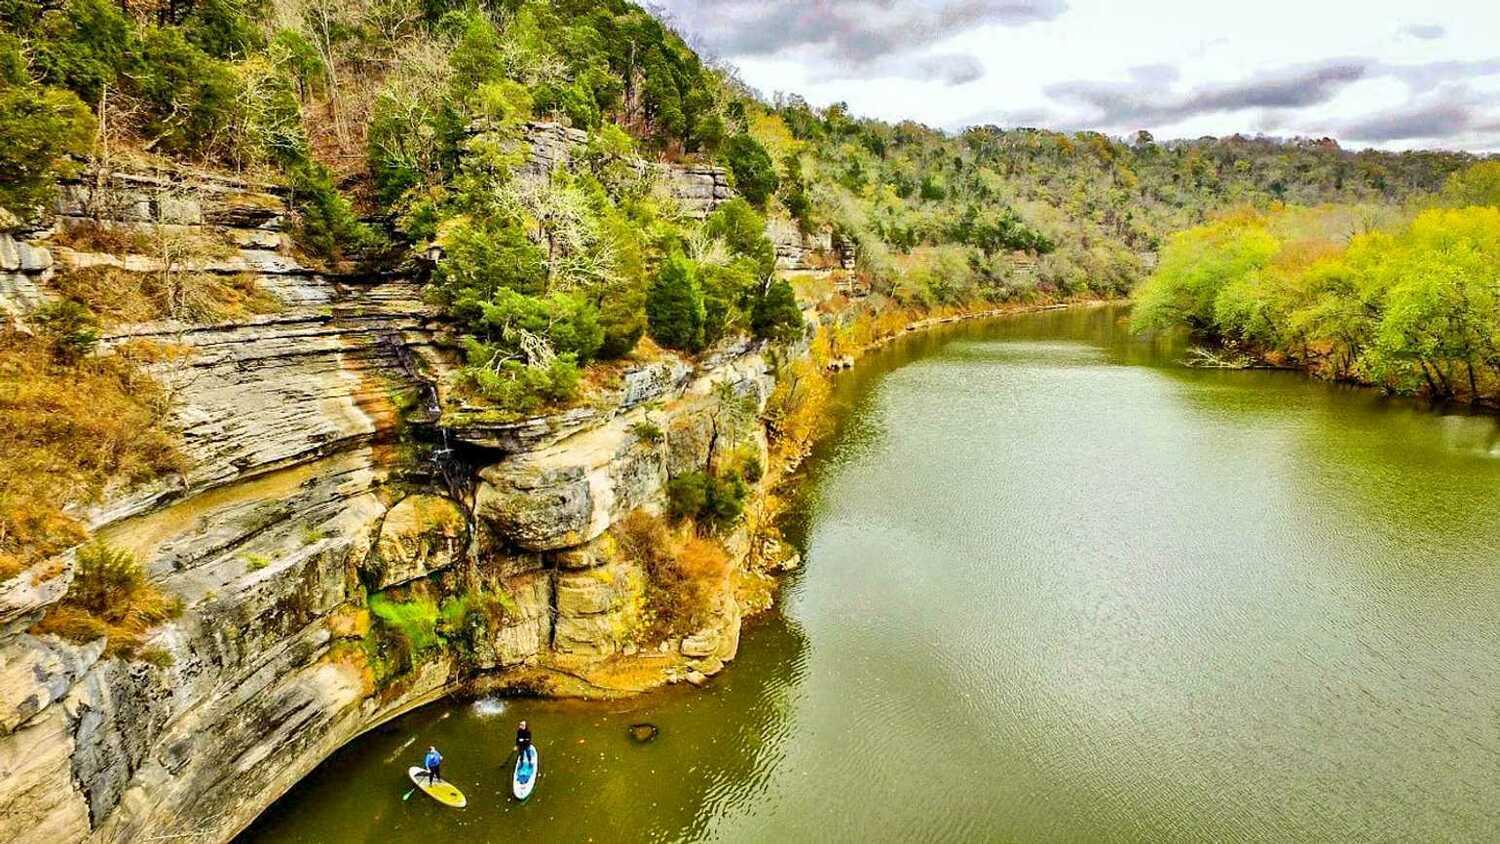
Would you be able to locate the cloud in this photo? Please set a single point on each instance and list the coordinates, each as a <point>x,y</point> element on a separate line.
<point>1426,76</point>
<point>950,69</point>
<point>1146,99</point>
<point>1452,111</point>
<point>844,37</point>
<point>1424,31</point>
<point>1440,120</point>
<point>1155,74</point>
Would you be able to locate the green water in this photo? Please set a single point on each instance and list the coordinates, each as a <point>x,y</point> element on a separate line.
<point>1058,588</point>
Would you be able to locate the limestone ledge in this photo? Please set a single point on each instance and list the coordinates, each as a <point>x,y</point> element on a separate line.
<point>296,508</point>
<point>811,251</point>
<point>276,661</point>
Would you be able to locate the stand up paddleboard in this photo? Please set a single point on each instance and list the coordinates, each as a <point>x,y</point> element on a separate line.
<point>442,791</point>
<point>528,765</point>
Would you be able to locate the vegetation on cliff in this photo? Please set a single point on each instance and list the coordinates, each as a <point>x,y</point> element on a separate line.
<point>417,115</point>
<point>110,597</point>
<point>1409,301</point>
<point>686,576</point>
<point>71,425</point>
<point>419,111</point>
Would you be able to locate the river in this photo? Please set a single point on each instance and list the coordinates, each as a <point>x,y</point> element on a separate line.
<point>1058,587</point>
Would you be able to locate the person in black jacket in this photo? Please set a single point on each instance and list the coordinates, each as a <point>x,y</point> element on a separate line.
<point>523,738</point>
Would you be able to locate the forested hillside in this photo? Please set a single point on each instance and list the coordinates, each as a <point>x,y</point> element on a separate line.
<point>399,127</point>
<point>1407,299</point>
<point>412,109</point>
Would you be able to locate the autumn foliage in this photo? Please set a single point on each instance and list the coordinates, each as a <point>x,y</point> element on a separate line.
<point>67,429</point>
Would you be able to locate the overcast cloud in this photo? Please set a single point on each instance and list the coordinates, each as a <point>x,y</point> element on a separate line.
<point>1368,72</point>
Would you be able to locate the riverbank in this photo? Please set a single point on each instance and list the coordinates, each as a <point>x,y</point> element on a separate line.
<point>1020,530</point>
<point>331,567</point>
<point>760,553</point>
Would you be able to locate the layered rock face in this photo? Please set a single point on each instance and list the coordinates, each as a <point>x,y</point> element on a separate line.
<point>304,512</point>
<point>813,251</point>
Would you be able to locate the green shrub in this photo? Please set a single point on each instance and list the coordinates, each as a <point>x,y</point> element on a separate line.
<point>663,100</point>
<point>754,173</point>
<point>83,46</point>
<point>326,225</point>
<point>41,128</point>
<point>744,232</point>
<point>648,432</point>
<point>751,469</point>
<point>72,329</point>
<point>725,290</point>
<point>191,98</point>
<point>111,596</point>
<point>714,502</point>
<point>568,323</point>
<point>481,259</point>
<point>687,495</point>
<point>513,387</point>
<point>933,189</point>
<point>104,577</point>
<point>674,306</point>
<point>414,620</point>
<point>226,29</point>
<point>708,133</point>
<point>13,69</point>
<point>794,193</point>
<point>775,315</point>
<point>622,317</point>
<point>1478,184</point>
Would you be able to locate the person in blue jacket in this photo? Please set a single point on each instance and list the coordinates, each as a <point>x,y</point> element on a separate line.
<point>433,762</point>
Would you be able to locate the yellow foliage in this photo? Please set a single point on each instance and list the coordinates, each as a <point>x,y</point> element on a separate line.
<point>773,134</point>
<point>65,432</point>
<point>119,296</point>
<point>685,578</point>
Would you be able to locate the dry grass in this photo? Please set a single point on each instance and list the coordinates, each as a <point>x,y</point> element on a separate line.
<point>67,430</point>
<point>685,579</point>
<point>110,596</point>
<point>92,236</point>
<point>118,296</point>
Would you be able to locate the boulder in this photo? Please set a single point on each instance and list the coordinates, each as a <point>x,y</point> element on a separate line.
<point>704,643</point>
<point>590,592</point>
<point>591,635</point>
<point>569,494</point>
<point>539,508</point>
<point>420,535</point>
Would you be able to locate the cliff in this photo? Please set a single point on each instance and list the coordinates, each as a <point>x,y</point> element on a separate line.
<point>320,494</point>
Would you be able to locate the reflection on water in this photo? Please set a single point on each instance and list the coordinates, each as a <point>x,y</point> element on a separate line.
<point>1058,588</point>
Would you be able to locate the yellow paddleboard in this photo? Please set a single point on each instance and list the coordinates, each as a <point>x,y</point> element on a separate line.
<point>442,791</point>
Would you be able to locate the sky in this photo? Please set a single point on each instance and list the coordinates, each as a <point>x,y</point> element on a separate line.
<point>1370,73</point>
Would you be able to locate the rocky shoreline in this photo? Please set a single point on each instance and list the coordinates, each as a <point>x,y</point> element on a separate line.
<point>326,505</point>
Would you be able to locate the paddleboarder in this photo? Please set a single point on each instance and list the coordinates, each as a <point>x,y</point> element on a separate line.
<point>523,738</point>
<point>433,762</point>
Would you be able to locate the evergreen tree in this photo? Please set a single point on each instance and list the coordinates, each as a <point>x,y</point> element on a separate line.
<point>674,306</point>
